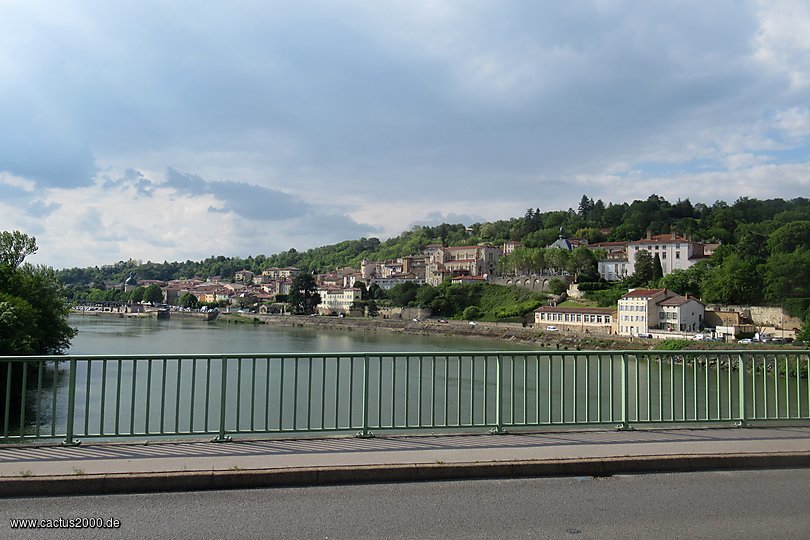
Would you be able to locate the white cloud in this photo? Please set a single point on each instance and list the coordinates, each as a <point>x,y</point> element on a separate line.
<point>361,118</point>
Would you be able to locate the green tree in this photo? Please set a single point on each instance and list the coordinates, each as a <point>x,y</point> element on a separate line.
<point>33,316</point>
<point>15,246</point>
<point>153,294</point>
<point>582,263</point>
<point>136,294</point>
<point>787,275</point>
<point>644,268</point>
<point>17,326</point>
<point>403,294</point>
<point>188,300</point>
<point>735,281</point>
<point>657,269</point>
<point>804,333</point>
<point>557,286</point>
<point>303,295</point>
<point>790,237</point>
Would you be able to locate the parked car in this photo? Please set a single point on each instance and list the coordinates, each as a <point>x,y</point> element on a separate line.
<point>645,335</point>
<point>551,328</point>
<point>745,341</point>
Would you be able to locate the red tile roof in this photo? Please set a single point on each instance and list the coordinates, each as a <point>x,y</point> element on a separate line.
<point>640,293</point>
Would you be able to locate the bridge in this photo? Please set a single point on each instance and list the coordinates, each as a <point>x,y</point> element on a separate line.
<point>224,395</point>
<point>284,400</point>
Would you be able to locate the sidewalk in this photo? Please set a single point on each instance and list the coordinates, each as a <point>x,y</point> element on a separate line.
<point>96,468</point>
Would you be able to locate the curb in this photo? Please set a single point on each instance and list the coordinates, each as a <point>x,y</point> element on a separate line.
<point>103,484</point>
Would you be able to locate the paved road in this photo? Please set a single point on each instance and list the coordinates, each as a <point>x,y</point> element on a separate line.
<point>741,504</point>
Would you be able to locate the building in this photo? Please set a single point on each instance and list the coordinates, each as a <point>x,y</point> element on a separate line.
<point>675,253</point>
<point>449,262</point>
<point>576,319</point>
<point>644,311</point>
<point>243,276</point>
<point>281,273</point>
<point>398,279</point>
<point>336,300</point>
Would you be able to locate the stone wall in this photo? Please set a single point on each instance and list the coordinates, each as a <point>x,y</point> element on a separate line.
<point>533,283</point>
<point>764,316</point>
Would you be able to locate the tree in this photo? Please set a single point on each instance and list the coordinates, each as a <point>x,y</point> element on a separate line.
<point>557,286</point>
<point>33,310</point>
<point>15,246</point>
<point>644,268</point>
<point>403,294</point>
<point>657,269</point>
<point>787,275</point>
<point>790,237</point>
<point>136,294</point>
<point>804,333</point>
<point>153,294</point>
<point>302,296</point>
<point>188,300</point>
<point>735,281</point>
<point>583,264</point>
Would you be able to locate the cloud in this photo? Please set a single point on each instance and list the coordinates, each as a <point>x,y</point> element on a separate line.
<point>353,118</point>
<point>437,218</point>
<point>249,201</point>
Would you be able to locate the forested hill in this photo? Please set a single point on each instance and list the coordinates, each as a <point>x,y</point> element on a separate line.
<point>751,229</point>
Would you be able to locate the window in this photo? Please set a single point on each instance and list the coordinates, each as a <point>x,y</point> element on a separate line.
<point>677,254</point>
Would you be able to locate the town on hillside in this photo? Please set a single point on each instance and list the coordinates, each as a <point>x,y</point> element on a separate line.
<point>640,313</point>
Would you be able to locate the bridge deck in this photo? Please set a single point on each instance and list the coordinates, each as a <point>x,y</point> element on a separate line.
<point>21,467</point>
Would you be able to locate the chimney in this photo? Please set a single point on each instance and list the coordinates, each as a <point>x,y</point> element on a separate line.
<point>649,234</point>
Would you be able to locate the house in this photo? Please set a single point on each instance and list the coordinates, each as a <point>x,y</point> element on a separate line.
<point>397,279</point>
<point>243,276</point>
<point>643,311</point>
<point>281,273</point>
<point>510,246</point>
<point>448,262</point>
<point>468,280</point>
<point>576,319</point>
<point>336,300</point>
<point>675,253</point>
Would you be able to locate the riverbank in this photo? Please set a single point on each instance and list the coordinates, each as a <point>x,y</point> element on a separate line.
<point>506,332</point>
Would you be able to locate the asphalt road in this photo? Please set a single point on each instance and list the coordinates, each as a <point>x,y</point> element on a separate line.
<point>741,504</point>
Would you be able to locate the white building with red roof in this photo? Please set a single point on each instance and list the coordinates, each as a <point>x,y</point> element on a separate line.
<point>674,251</point>
<point>644,311</point>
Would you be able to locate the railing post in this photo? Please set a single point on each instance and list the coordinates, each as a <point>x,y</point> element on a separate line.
<point>71,407</point>
<point>222,402</point>
<point>365,433</point>
<point>625,425</point>
<point>743,422</point>
<point>498,429</point>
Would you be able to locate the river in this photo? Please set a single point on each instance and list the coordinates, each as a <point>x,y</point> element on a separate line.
<point>135,335</point>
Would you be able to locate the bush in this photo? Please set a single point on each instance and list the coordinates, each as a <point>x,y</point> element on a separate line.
<point>674,344</point>
<point>593,286</point>
<point>517,310</point>
<point>471,313</point>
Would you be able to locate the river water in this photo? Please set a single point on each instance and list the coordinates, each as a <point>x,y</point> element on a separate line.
<point>113,335</point>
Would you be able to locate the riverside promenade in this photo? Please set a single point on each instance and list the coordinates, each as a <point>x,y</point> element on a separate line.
<point>100,468</point>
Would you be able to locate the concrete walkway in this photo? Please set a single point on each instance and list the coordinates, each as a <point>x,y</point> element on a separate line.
<point>172,466</point>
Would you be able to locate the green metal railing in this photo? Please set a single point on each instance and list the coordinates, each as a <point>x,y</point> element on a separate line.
<point>71,397</point>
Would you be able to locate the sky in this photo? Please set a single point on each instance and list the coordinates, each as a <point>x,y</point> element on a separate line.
<point>176,130</point>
